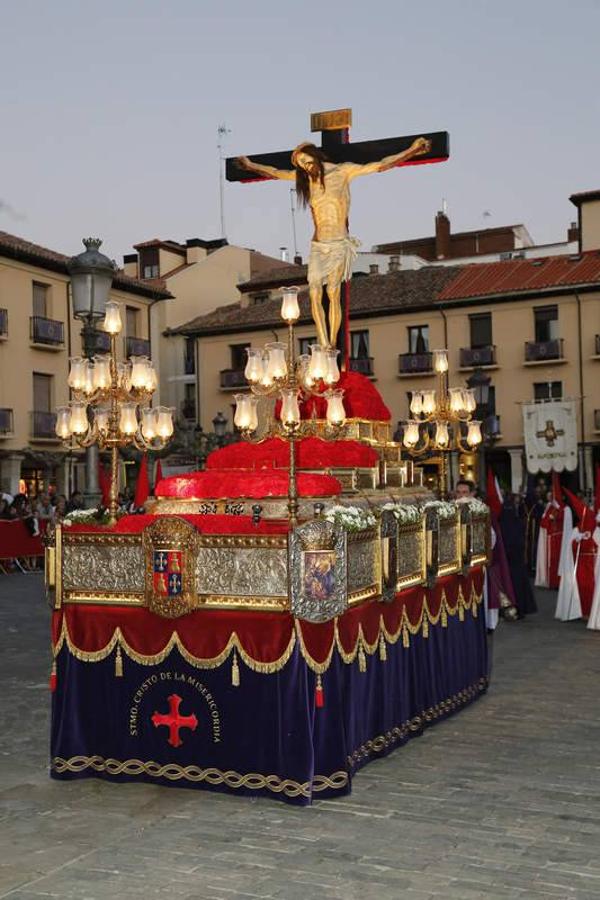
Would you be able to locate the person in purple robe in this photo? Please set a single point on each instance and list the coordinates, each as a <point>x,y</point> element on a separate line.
<point>513,524</point>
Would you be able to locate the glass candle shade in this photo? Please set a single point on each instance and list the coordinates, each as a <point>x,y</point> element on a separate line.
<point>442,437</point>
<point>151,377</point>
<point>457,403</point>
<point>440,361</point>
<point>470,401</point>
<point>102,373</point>
<point>101,417</point>
<point>336,414</point>
<point>112,318</point>
<point>88,387</point>
<point>139,372</point>
<point>79,420</point>
<point>290,308</point>
<point>332,372</point>
<point>63,422</point>
<point>276,367</point>
<point>416,403</point>
<point>164,422</point>
<point>411,434</point>
<point>474,433</point>
<point>128,423</point>
<point>428,403</point>
<point>317,367</point>
<point>243,414</point>
<point>253,401</point>
<point>254,370</point>
<point>290,408</point>
<point>77,373</point>
<point>148,427</point>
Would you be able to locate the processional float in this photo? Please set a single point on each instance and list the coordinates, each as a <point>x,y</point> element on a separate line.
<point>302,605</point>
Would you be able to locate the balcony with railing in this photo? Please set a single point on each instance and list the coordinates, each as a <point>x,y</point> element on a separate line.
<point>477,357</point>
<point>43,425</point>
<point>363,365</point>
<point>415,364</point>
<point>232,379</point>
<point>135,346</point>
<point>3,324</point>
<point>46,332</point>
<point>6,423</point>
<point>542,351</point>
<point>102,339</point>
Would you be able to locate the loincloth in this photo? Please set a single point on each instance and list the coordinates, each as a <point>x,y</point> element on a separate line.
<point>327,257</point>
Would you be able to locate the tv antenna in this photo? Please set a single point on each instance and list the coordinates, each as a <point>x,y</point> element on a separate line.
<point>222,132</point>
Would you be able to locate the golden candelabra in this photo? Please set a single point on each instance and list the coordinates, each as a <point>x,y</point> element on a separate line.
<point>277,372</point>
<point>450,412</point>
<point>108,395</point>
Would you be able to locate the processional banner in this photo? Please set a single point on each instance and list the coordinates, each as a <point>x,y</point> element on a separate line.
<point>550,430</point>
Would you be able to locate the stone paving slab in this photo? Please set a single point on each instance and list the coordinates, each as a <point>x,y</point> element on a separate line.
<point>501,801</point>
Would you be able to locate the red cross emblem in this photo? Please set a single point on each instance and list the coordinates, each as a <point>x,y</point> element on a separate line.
<point>174,721</point>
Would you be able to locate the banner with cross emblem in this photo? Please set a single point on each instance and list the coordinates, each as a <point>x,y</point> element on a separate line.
<point>550,430</point>
<point>170,545</point>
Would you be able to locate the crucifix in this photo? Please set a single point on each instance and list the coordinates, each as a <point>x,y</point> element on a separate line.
<point>323,175</point>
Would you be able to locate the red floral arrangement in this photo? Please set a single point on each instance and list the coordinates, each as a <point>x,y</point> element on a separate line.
<point>232,483</point>
<point>312,453</point>
<point>362,400</point>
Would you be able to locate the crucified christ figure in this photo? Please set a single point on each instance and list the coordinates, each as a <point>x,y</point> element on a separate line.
<point>325,187</point>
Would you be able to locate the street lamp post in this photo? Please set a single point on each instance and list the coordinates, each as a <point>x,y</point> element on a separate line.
<point>219,424</point>
<point>479,383</point>
<point>91,280</point>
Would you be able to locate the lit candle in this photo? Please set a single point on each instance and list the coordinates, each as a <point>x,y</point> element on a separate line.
<point>442,437</point>
<point>101,417</point>
<point>77,373</point>
<point>411,433</point>
<point>101,373</point>
<point>164,422</point>
<point>254,370</point>
<point>456,400</point>
<point>290,409</point>
<point>416,403</point>
<point>317,367</point>
<point>290,309</point>
<point>149,418</point>
<point>128,419</point>
<point>474,433</point>
<point>112,318</point>
<point>276,364</point>
<point>139,368</point>
<point>429,404</point>
<point>332,372</point>
<point>440,361</point>
<point>63,422</point>
<point>79,420</point>
<point>336,414</point>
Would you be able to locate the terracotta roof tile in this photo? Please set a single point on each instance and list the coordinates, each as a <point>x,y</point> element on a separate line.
<point>276,275</point>
<point>523,275</point>
<point>21,249</point>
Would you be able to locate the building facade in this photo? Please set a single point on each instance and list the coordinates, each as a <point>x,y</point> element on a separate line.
<point>532,324</point>
<point>38,336</point>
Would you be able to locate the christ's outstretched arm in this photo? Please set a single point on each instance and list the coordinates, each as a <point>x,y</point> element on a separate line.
<point>417,148</point>
<point>268,171</point>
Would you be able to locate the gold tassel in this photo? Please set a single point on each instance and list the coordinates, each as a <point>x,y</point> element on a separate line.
<point>235,671</point>
<point>382,648</point>
<point>461,612</point>
<point>118,664</point>
<point>425,627</point>
<point>405,637</point>
<point>444,617</point>
<point>362,659</point>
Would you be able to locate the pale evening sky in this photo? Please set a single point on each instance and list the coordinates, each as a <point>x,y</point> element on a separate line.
<point>110,113</point>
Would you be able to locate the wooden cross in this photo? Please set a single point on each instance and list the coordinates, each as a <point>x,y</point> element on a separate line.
<point>334,126</point>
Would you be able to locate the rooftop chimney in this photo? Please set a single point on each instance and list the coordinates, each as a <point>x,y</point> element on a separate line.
<point>573,232</point>
<point>394,265</point>
<point>284,254</point>
<point>374,269</point>
<point>298,259</point>
<point>442,235</point>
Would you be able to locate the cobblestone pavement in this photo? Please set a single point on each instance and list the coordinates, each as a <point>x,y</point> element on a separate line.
<point>501,801</point>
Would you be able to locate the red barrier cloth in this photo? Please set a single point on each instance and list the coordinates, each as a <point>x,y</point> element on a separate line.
<point>234,483</point>
<point>16,541</point>
<point>142,486</point>
<point>263,637</point>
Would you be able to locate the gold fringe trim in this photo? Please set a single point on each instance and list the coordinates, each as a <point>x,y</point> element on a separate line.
<point>362,647</point>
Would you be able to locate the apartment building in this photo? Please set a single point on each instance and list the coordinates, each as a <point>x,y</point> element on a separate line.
<point>38,335</point>
<point>532,324</point>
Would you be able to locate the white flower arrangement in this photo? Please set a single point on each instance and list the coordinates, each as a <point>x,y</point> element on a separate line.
<point>477,506</point>
<point>92,516</point>
<point>404,513</point>
<point>351,518</point>
<point>446,509</point>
